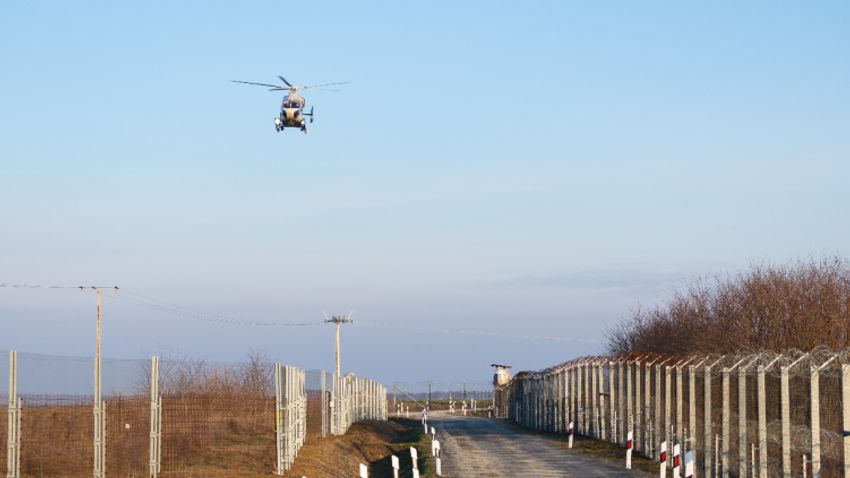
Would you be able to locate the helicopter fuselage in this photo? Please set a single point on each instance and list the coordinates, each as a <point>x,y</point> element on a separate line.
<point>292,113</point>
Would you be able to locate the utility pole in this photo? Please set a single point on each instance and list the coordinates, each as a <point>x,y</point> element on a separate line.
<point>338,320</point>
<point>429,395</point>
<point>337,389</point>
<point>99,412</point>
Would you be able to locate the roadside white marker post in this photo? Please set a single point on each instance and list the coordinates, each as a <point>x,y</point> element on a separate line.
<point>662,460</point>
<point>433,433</point>
<point>364,472</point>
<point>677,461</point>
<point>414,459</point>
<point>439,467</point>
<point>570,436</point>
<point>689,464</point>
<point>394,460</point>
<point>629,444</point>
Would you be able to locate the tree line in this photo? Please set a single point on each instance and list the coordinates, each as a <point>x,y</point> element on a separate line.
<point>802,304</point>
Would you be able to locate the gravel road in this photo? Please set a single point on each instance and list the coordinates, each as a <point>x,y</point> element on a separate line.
<point>475,447</point>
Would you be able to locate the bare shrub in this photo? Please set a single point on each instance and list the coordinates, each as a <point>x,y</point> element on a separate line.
<point>800,305</point>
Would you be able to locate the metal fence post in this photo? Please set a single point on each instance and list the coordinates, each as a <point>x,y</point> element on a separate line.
<point>13,435</point>
<point>278,419</point>
<point>155,424</point>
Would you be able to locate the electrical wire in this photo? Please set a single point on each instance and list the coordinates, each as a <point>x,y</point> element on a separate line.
<point>150,303</point>
<point>37,286</point>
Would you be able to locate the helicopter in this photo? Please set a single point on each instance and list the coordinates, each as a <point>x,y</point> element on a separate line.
<point>292,113</point>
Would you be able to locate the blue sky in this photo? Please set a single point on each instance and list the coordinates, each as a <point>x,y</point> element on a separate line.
<point>531,170</point>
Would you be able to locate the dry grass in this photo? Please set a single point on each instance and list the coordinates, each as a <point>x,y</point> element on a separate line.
<point>369,442</point>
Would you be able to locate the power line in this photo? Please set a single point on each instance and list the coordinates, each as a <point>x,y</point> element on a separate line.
<point>151,303</point>
<point>37,286</point>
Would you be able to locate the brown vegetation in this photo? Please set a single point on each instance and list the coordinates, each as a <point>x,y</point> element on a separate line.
<point>801,305</point>
<point>369,442</point>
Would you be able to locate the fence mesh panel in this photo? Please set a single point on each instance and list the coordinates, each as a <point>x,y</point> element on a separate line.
<point>204,419</point>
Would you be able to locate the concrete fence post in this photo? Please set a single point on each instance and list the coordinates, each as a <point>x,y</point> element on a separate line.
<point>815,419</point>
<point>568,395</point>
<point>815,415</point>
<point>600,369</point>
<point>594,395</point>
<point>638,410</point>
<point>647,409</point>
<point>667,429</point>
<point>622,416</point>
<point>585,399</point>
<point>742,418</point>
<point>611,403</point>
<point>692,407</point>
<point>658,427</point>
<point>680,437</point>
<point>709,454</point>
<point>627,425</point>
<point>785,407</point>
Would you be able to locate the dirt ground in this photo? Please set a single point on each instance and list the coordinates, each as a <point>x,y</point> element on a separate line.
<point>370,442</point>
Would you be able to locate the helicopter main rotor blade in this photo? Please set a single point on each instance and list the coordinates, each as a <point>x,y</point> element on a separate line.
<point>324,84</point>
<point>259,84</point>
<point>284,80</point>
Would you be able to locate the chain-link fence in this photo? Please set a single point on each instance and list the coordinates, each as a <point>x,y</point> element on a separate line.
<point>170,417</point>
<point>761,414</point>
